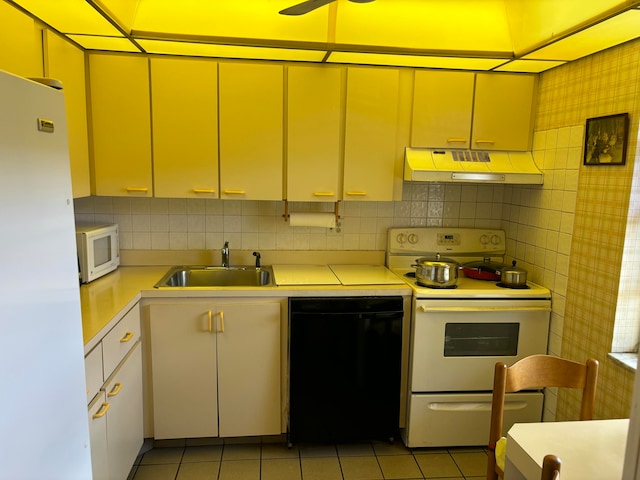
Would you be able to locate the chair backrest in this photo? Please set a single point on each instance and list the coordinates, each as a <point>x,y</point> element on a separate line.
<point>550,468</point>
<point>533,372</point>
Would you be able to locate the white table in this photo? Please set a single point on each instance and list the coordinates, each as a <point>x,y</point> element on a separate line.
<point>588,450</point>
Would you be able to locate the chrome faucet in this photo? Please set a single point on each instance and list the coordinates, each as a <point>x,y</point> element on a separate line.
<point>225,254</point>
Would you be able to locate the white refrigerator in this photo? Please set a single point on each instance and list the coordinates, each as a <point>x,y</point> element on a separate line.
<point>44,429</point>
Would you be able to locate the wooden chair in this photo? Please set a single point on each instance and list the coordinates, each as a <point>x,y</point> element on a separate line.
<point>550,468</point>
<point>533,372</point>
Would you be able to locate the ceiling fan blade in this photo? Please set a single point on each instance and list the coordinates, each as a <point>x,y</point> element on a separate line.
<point>305,7</point>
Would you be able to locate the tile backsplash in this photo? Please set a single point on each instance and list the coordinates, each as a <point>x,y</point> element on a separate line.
<point>198,224</point>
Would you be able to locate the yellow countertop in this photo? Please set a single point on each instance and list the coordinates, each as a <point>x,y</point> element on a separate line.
<point>112,296</point>
<point>106,300</point>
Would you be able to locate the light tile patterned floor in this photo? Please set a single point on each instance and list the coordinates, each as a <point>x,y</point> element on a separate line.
<point>212,459</point>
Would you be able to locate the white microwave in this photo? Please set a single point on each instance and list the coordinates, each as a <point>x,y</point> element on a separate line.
<point>98,251</point>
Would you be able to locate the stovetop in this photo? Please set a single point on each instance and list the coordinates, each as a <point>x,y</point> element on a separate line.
<point>406,245</point>
<point>473,289</point>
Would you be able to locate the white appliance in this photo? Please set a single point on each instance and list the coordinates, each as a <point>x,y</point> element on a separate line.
<point>458,334</point>
<point>43,408</point>
<point>98,251</point>
<point>429,165</point>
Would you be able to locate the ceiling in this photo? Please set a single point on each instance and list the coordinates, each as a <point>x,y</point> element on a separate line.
<point>501,35</point>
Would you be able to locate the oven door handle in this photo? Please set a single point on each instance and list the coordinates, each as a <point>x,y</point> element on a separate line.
<point>426,308</point>
<point>475,406</point>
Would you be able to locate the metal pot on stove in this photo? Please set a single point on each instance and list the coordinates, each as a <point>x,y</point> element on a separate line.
<point>513,277</point>
<point>436,272</point>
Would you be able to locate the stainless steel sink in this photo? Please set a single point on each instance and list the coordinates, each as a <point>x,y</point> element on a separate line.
<point>202,276</point>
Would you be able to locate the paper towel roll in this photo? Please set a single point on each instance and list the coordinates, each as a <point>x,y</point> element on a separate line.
<point>325,220</point>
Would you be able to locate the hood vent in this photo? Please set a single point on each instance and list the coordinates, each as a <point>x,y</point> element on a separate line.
<point>433,165</point>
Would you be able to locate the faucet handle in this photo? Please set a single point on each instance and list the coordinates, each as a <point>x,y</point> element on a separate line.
<point>257,255</point>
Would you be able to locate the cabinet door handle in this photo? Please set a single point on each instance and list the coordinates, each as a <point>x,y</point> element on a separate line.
<point>127,337</point>
<point>357,194</point>
<point>137,189</point>
<point>204,190</point>
<point>323,194</point>
<point>115,390</point>
<point>234,192</point>
<point>456,140</point>
<point>489,142</point>
<point>103,410</point>
<point>210,326</point>
<point>221,322</point>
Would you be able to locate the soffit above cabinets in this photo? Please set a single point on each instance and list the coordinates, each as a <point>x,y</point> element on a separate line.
<point>503,35</point>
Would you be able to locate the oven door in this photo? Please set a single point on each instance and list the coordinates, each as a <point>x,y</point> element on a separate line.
<point>456,343</point>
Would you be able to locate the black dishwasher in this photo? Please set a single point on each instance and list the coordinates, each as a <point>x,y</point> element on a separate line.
<point>344,368</point>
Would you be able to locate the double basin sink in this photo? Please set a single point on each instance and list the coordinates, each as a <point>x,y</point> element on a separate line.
<point>205,276</point>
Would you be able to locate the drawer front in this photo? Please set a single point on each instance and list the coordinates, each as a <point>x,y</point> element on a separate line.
<point>117,343</point>
<point>431,417</point>
<point>93,372</point>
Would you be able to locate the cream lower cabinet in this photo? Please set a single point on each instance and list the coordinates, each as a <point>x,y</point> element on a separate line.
<point>116,408</point>
<point>98,410</point>
<point>215,368</point>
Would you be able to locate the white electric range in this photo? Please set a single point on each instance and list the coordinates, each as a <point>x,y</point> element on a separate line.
<point>458,334</point>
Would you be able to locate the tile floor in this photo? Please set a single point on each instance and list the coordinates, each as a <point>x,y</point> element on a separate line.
<point>272,460</point>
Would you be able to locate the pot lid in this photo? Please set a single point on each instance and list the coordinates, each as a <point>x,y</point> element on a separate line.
<point>435,260</point>
<point>485,265</point>
<point>513,269</point>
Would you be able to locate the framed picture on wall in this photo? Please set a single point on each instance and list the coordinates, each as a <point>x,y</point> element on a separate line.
<point>605,140</point>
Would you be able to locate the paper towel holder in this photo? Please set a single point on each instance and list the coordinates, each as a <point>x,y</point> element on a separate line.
<point>286,211</point>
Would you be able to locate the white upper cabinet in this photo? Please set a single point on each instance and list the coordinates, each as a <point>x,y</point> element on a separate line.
<point>503,111</point>
<point>65,62</point>
<point>370,133</point>
<point>121,124</point>
<point>251,131</point>
<point>442,104</point>
<point>484,111</point>
<point>314,126</point>
<point>184,98</point>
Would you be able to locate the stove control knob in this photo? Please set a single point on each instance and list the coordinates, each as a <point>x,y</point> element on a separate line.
<point>413,238</point>
<point>484,239</point>
<point>401,238</point>
<point>495,240</point>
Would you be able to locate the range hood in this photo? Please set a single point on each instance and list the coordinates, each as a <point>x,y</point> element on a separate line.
<point>472,166</point>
